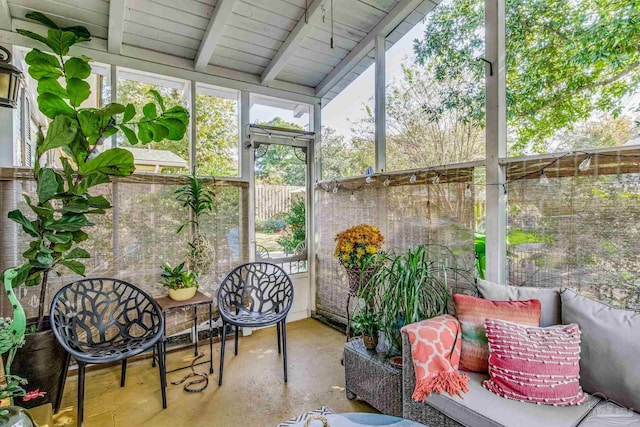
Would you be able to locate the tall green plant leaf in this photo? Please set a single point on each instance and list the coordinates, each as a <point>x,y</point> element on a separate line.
<point>61,132</point>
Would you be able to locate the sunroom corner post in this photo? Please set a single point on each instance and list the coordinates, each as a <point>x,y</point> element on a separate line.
<point>193,134</point>
<point>315,174</point>
<point>113,83</point>
<point>247,173</point>
<point>496,142</point>
<point>380,105</point>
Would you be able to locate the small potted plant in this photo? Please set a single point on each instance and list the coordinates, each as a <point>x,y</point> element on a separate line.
<point>182,284</point>
<point>367,323</point>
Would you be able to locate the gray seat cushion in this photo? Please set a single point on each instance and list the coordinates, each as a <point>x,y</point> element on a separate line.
<point>607,414</point>
<point>549,298</point>
<point>609,348</point>
<point>481,408</point>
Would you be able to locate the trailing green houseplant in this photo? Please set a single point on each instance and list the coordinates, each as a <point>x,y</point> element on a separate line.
<point>56,221</point>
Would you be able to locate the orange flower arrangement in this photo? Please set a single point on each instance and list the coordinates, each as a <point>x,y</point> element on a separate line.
<point>358,246</point>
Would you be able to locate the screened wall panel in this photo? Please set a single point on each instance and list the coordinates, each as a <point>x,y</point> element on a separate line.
<point>142,237</point>
<point>408,214</point>
<point>581,230</point>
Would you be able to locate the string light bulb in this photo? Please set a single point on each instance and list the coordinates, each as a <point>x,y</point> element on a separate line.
<point>436,179</point>
<point>269,135</point>
<point>335,187</point>
<point>352,197</point>
<point>413,179</point>
<point>467,191</point>
<point>544,180</point>
<point>585,164</point>
<point>368,179</point>
<point>386,182</point>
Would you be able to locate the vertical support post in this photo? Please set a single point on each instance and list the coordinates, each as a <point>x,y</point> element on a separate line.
<point>115,211</point>
<point>313,237</point>
<point>380,105</point>
<point>247,171</point>
<point>113,83</point>
<point>496,141</point>
<point>193,140</point>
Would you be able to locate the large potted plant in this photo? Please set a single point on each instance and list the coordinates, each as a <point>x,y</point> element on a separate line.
<point>412,287</point>
<point>57,219</point>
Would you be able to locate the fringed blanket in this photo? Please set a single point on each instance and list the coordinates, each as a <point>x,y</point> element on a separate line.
<point>435,347</point>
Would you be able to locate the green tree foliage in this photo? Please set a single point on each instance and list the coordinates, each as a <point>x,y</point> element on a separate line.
<point>57,219</point>
<point>565,61</point>
<point>295,233</point>
<point>280,165</point>
<point>217,130</point>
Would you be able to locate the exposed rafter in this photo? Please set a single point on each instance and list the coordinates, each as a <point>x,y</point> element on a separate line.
<point>384,27</point>
<point>293,41</point>
<point>5,16</point>
<point>116,25</point>
<point>211,37</point>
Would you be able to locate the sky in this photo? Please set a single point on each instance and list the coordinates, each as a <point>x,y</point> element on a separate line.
<point>360,91</point>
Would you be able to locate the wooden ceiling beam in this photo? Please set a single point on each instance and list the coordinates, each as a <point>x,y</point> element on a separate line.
<point>300,32</point>
<point>221,14</point>
<point>5,16</point>
<point>116,26</point>
<point>384,27</point>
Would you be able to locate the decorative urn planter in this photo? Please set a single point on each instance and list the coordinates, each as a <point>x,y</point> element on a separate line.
<point>358,282</point>
<point>370,341</point>
<point>182,294</point>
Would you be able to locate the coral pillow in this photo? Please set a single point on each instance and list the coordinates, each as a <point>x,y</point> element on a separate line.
<point>537,365</point>
<point>472,312</point>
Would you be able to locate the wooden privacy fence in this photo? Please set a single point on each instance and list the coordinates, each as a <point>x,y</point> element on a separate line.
<point>274,201</point>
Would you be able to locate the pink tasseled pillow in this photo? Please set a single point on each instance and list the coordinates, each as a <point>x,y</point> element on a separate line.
<point>537,365</point>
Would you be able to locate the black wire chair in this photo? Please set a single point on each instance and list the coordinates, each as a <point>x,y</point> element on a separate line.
<point>104,321</point>
<point>255,295</point>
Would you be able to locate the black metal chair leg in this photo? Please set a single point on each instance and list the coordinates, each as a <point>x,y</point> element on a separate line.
<point>153,358</point>
<point>163,373</point>
<point>284,347</point>
<point>81,377</point>
<point>123,374</point>
<point>222,342</point>
<point>237,332</point>
<point>279,338</point>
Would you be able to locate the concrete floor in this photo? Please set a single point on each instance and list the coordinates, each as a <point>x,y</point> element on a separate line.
<point>253,393</point>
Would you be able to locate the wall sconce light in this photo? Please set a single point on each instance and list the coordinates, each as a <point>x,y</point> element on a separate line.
<point>10,80</point>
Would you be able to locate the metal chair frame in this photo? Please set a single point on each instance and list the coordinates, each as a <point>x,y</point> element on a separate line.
<point>255,295</point>
<point>106,320</point>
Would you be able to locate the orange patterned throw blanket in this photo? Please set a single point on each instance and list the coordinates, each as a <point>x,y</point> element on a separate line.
<point>435,348</point>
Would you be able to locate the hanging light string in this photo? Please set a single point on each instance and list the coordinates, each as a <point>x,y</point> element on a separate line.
<point>584,166</point>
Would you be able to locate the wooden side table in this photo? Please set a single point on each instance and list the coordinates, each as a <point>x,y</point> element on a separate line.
<point>372,378</point>
<point>167,304</point>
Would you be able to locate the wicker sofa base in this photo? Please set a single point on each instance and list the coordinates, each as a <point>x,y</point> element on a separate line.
<point>417,411</point>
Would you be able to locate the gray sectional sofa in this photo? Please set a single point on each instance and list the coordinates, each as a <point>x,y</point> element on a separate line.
<point>610,373</point>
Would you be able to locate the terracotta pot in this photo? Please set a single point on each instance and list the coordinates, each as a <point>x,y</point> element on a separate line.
<point>370,342</point>
<point>182,294</point>
<point>357,283</point>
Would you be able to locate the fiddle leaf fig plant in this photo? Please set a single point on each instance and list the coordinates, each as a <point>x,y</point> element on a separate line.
<point>58,217</point>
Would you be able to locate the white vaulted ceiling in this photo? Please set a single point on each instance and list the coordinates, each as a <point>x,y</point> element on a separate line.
<point>268,42</point>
